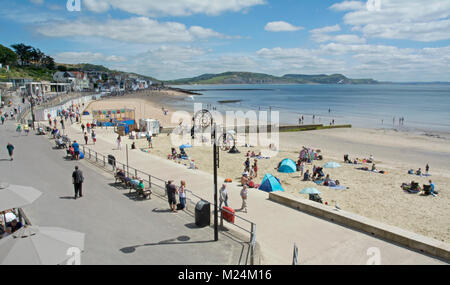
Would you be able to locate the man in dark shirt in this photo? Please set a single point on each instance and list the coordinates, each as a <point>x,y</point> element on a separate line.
<point>171,194</point>
<point>14,225</point>
<point>77,180</point>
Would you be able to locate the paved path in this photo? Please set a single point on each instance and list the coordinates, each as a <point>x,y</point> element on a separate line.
<point>119,230</point>
<point>278,227</point>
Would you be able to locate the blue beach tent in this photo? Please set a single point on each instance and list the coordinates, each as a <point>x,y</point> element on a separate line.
<point>287,166</point>
<point>270,184</point>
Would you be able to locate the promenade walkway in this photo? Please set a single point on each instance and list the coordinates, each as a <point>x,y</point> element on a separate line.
<point>118,230</point>
<point>278,227</point>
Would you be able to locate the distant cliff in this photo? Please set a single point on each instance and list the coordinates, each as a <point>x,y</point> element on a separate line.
<point>260,78</point>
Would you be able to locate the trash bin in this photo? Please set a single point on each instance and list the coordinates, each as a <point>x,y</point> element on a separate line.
<point>111,160</point>
<point>203,214</point>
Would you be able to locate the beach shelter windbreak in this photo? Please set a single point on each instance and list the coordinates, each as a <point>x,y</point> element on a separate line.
<point>287,166</point>
<point>270,184</point>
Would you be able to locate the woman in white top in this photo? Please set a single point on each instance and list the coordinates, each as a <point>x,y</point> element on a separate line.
<point>182,194</point>
<point>244,193</point>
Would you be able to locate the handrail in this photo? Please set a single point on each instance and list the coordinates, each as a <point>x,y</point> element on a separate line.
<point>151,182</point>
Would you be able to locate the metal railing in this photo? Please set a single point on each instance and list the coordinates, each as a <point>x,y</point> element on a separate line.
<point>158,187</point>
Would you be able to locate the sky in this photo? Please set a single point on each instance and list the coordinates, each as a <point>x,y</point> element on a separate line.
<point>387,40</point>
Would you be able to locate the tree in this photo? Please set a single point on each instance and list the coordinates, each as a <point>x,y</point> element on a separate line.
<point>23,52</point>
<point>48,62</point>
<point>61,68</point>
<point>7,56</point>
<point>37,56</point>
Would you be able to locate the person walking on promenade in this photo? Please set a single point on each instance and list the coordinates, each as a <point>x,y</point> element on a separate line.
<point>94,136</point>
<point>182,194</point>
<point>10,149</point>
<point>26,129</point>
<point>119,142</point>
<point>171,195</point>
<point>3,119</point>
<point>244,194</point>
<point>76,150</point>
<point>86,138</point>
<point>19,129</point>
<point>223,196</point>
<point>82,127</point>
<point>77,180</point>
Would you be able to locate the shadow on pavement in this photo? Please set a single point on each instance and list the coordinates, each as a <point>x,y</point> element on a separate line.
<point>67,198</point>
<point>178,240</point>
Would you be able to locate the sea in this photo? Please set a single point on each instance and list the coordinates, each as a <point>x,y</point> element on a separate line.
<point>424,107</point>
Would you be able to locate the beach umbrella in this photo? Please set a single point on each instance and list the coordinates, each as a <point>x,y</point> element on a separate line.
<point>32,245</point>
<point>310,190</point>
<point>16,196</point>
<point>185,146</point>
<point>332,165</point>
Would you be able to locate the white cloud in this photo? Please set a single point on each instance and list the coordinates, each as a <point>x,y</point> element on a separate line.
<point>417,20</point>
<point>157,8</point>
<point>86,57</point>
<point>133,30</point>
<point>281,26</point>
<point>348,6</point>
<point>327,29</point>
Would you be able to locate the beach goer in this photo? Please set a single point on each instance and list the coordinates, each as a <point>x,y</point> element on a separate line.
<point>427,168</point>
<point>247,164</point>
<point>244,195</point>
<point>223,196</point>
<point>77,180</point>
<point>255,168</point>
<point>182,195</point>
<point>171,195</point>
<point>133,145</point>
<point>419,171</point>
<point>432,186</point>
<point>86,138</point>
<point>149,140</point>
<point>10,149</point>
<point>3,119</point>
<point>374,167</point>
<point>82,127</point>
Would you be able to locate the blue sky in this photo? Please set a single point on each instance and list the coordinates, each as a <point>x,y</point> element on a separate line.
<point>393,40</point>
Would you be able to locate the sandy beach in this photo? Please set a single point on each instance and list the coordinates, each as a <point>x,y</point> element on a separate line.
<point>376,196</point>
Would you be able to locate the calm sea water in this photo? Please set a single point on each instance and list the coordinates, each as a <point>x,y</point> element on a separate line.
<point>424,107</point>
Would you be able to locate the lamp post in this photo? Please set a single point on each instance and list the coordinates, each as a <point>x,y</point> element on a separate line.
<point>32,110</point>
<point>205,119</point>
<point>216,165</point>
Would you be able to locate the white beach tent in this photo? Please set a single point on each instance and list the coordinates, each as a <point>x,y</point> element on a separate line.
<point>149,125</point>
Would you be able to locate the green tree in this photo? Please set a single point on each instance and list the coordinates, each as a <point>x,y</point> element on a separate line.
<point>37,56</point>
<point>48,62</point>
<point>24,53</point>
<point>7,56</point>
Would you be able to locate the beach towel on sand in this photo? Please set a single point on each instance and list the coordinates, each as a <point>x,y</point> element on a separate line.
<point>340,187</point>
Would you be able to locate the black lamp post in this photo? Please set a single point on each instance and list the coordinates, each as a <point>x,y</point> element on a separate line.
<point>216,165</point>
<point>32,109</point>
